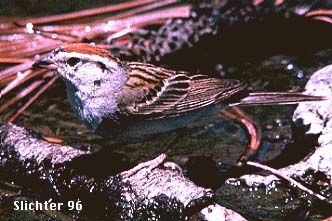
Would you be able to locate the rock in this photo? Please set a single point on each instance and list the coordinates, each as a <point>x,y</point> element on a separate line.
<point>316,118</point>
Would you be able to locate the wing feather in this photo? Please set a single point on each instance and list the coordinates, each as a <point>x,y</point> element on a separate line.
<point>206,90</point>
<point>170,93</point>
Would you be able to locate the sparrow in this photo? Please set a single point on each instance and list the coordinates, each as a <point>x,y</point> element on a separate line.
<point>129,100</point>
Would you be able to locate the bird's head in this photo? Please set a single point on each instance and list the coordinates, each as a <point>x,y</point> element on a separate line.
<point>84,65</point>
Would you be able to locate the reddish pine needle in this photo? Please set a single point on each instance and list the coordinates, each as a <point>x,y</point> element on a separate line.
<point>32,99</point>
<point>21,94</point>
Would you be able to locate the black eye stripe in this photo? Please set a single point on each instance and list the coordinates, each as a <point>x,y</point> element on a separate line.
<point>102,66</point>
<point>97,82</point>
<point>73,61</point>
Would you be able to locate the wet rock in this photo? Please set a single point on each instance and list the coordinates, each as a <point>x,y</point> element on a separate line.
<point>52,170</point>
<point>310,119</point>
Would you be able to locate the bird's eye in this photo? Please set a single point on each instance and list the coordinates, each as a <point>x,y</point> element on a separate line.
<point>97,82</point>
<point>73,61</point>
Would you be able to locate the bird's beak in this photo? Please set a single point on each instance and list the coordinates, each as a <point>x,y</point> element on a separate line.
<point>46,63</point>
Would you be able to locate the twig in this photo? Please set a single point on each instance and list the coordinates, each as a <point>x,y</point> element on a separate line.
<point>21,94</point>
<point>258,130</point>
<point>319,12</point>
<point>85,13</point>
<point>254,135</point>
<point>148,166</point>
<point>14,83</point>
<point>139,20</point>
<point>6,81</point>
<point>136,11</point>
<point>20,80</point>
<point>32,99</point>
<point>290,180</point>
<point>53,139</point>
<point>14,69</point>
<point>323,18</point>
<point>14,60</point>
<point>28,52</point>
<point>327,219</point>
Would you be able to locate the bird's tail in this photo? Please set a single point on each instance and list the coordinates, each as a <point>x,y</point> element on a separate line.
<point>270,98</point>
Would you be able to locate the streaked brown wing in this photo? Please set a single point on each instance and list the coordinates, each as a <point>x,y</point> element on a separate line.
<point>150,90</point>
<point>161,100</point>
<point>205,90</point>
<point>146,76</point>
<point>171,93</point>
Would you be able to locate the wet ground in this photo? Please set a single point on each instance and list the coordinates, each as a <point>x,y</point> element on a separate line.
<point>214,143</point>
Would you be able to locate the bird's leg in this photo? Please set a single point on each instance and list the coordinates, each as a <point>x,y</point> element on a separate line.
<point>180,133</point>
<point>143,169</point>
<point>254,131</point>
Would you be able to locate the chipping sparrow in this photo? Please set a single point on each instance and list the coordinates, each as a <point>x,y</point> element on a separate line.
<point>131,99</point>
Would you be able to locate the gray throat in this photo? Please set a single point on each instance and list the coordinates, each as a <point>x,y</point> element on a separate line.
<point>90,107</point>
<point>93,102</point>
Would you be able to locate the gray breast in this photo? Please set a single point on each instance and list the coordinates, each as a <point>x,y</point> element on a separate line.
<point>79,107</point>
